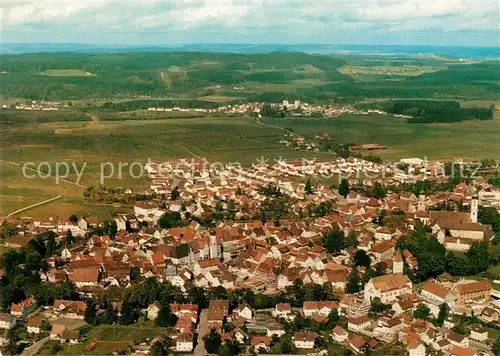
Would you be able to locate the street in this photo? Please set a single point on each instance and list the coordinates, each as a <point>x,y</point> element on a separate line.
<point>202,331</point>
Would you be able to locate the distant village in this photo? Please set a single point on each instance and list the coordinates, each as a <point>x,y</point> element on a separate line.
<point>344,254</point>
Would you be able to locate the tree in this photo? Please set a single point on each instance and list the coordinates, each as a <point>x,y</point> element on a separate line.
<point>479,257</point>
<point>443,314</point>
<point>344,187</point>
<point>158,349</point>
<point>361,258</point>
<point>73,218</point>
<point>377,306</point>
<point>170,219</point>
<point>110,315</point>
<point>308,187</point>
<point>129,311</point>
<point>334,241</point>
<point>377,191</point>
<point>496,347</point>
<point>166,318</point>
<point>90,312</point>
<point>457,264</point>
<point>422,312</point>
<point>51,245</point>
<point>212,341</point>
<point>333,318</point>
<point>218,293</point>
<point>353,284</point>
<point>174,195</point>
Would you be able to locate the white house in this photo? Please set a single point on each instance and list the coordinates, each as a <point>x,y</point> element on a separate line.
<point>244,311</point>
<point>184,343</point>
<point>304,340</point>
<point>434,294</point>
<point>339,334</point>
<point>477,332</point>
<point>34,326</point>
<point>275,330</point>
<point>7,321</point>
<point>359,323</point>
<point>283,310</point>
<point>153,311</point>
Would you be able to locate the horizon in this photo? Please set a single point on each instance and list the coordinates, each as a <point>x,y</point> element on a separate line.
<point>242,43</point>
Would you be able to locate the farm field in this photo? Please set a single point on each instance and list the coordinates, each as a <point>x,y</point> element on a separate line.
<point>471,139</point>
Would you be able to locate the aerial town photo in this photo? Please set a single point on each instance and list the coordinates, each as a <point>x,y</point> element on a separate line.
<point>242,177</point>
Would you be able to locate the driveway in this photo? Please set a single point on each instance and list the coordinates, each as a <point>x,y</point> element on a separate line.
<point>202,331</point>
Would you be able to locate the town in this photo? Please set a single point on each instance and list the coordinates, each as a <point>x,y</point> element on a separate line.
<point>393,258</point>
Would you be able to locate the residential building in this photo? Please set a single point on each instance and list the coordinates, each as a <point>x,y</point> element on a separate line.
<point>304,340</point>
<point>387,288</point>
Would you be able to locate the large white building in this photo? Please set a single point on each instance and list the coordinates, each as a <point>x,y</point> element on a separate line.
<point>387,288</point>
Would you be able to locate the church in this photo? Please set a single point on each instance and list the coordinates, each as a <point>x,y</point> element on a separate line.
<point>457,231</point>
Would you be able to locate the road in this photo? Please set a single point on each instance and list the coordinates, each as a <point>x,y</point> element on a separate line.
<point>33,349</point>
<point>202,331</point>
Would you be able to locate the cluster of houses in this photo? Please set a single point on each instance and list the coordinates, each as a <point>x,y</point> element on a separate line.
<point>37,106</point>
<point>271,256</point>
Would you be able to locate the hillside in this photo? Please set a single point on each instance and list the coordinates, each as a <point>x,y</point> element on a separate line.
<point>271,76</point>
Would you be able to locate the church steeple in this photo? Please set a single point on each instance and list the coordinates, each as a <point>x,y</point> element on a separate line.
<point>474,207</point>
<point>397,264</point>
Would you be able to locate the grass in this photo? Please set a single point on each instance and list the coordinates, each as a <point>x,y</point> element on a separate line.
<point>113,338</point>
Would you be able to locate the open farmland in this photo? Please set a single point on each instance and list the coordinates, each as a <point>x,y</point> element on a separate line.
<point>471,139</point>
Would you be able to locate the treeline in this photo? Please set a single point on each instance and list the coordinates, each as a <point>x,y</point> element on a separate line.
<point>19,116</point>
<point>145,104</point>
<point>451,115</point>
<point>429,111</point>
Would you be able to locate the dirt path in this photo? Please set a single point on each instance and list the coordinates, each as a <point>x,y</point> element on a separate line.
<point>34,205</point>
<point>189,151</point>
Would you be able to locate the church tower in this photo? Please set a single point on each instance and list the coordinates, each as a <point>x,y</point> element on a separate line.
<point>473,208</point>
<point>214,249</point>
<point>397,264</point>
<point>421,202</point>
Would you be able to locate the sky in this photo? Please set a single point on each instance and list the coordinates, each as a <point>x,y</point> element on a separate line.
<point>164,22</point>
